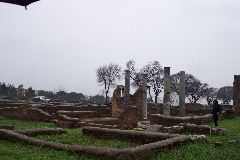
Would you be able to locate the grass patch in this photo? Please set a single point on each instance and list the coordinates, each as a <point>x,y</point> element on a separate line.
<point>190,151</point>
<point>18,151</point>
<point>21,124</point>
<point>206,151</point>
<point>75,136</point>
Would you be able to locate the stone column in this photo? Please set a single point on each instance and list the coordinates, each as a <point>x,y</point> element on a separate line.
<point>126,90</point>
<point>166,98</point>
<point>144,96</point>
<point>182,94</point>
<point>236,94</point>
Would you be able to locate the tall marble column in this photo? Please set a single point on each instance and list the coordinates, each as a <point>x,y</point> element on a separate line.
<point>144,96</point>
<point>166,98</point>
<point>182,94</point>
<point>126,90</point>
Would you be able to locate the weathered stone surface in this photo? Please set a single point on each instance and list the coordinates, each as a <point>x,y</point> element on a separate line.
<point>104,121</point>
<point>218,131</point>
<point>67,118</point>
<point>173,129</point>
<point>86,124</point>
<point>144,124</point>
<point>229,113</point>
<point>144,97</point>
<point>182,95</point>
<point>127,90</point>
<point>167,92</point>
<point>129,119</point>
<point>80,114</point>
<point>41,131</point>
<point>8,127</point>
<point>236,94</point>
<point>154,128</point>
<point>198,137</point>
<point>137,136</point>
<point>117,102</point>
<point>25,113</point>
<point>171,121</point>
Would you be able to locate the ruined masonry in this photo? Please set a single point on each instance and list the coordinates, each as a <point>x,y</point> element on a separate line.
<point>166,98</point>
<point>236,94</point>
<point>182,94</point>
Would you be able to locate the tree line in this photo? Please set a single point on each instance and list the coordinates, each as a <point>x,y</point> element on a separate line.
<point>11,92</point>
<point>109,75</point>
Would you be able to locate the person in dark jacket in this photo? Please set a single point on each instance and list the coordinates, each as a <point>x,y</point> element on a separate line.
<point>216,110</point>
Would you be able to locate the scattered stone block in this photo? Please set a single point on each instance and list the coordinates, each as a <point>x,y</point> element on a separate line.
<point>198,137</point>
<point>154,128</point>
<point>218,131</point>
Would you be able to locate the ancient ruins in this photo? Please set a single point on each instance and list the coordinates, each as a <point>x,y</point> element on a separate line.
<point>129,117</point>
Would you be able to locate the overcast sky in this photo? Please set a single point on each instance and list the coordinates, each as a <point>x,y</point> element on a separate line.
<point>62,42</point>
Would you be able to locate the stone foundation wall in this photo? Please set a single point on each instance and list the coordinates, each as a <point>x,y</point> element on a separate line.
<point>25,113</point>
<point>102,110</point>
<point>236,94</point>
<point>171,121</point>
<point>118,102</point>
<point>141,152</point>
<point>80,114</point>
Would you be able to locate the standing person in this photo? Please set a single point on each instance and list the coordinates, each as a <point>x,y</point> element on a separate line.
<point>216,110</point>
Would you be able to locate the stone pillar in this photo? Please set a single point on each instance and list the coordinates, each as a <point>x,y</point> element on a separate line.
<point>182,94</point>
<point>166,98</point>
<point>144,97</point>
<point>236,94</point>
<point>126,90</point>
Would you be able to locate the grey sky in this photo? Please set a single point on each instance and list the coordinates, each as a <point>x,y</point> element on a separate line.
<point>61,43</point>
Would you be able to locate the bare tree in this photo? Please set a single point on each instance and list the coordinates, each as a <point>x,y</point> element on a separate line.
<point>107,76</point>
<point>134,75</point>
<point>225,94</point>
<point>211,94</point>
<point>194,89</point>
<point>155,77</point>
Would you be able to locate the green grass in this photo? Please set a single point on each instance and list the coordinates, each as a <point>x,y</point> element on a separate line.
<point>19,124</point>
<point>75,136</point>
<point>206,151</point>
<point>18,151</point>
<point>190,151</point>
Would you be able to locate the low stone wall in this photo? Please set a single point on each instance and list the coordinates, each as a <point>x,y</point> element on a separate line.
<point>203,129</point>
<point>85,124</point>
<point>67,118</point>
<point>136,136</point>
<point>80,114</point>
<point>137,153</point>
<point>25,113</point>
<point>171,121</point>
<point>104,121</point>
<point>229,113</point>
<point>100,110</point>
<point>8,127</point>
<point>41,131</point>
